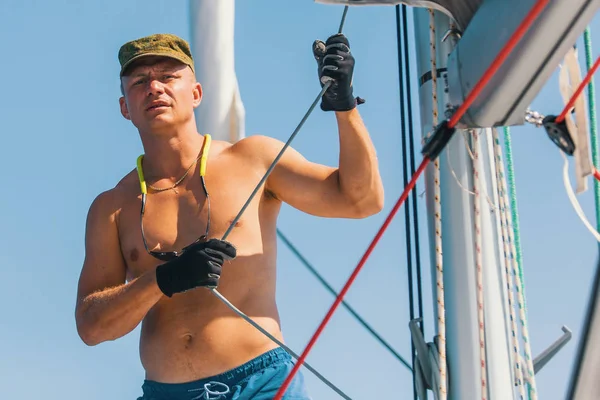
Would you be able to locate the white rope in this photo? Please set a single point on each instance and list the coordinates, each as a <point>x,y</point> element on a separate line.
<point>464,189</point>
<point>508,256</point>
<point>573,199</point>
<point>520,298</point>
<point>441,308</point>
<point>493,206</point>
<point>478,264</point>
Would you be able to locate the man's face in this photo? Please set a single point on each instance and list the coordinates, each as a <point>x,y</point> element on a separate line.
<point>159,92</point>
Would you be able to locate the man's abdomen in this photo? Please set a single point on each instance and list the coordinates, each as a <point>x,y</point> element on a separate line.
<point>193,335</point>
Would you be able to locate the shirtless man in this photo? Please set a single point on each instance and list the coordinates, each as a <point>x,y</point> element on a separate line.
<point>192,346</point>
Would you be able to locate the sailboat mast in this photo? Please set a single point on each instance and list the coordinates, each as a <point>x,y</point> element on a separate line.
<point>464,357</point>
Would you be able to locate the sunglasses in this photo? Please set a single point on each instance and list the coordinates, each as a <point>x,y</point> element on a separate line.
<point>170,255</point>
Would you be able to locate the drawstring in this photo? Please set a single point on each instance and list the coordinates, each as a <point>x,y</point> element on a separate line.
<point>211,391</point>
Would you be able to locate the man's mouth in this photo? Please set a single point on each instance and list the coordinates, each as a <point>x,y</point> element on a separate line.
<point>157,105</point>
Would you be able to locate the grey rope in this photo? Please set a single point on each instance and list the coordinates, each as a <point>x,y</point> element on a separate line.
<point>343,19</point>
<point>274,339</point>
<point>239,215</point>
<point>264,178</point>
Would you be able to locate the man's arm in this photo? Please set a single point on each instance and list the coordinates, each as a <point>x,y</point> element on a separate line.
<point>359,177</point>
<point>353,190</point>
<point>107,308</point>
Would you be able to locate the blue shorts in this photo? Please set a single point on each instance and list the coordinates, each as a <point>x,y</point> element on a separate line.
<point>258,379</point>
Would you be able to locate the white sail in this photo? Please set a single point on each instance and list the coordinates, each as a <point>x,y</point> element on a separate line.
<point>512,89</point>
<point>461,11</point>
<point>221,112</point>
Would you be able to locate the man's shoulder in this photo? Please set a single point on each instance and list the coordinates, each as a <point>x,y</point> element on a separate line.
<point>110,201</point>
<point>257,140</point>
<point>128,184</point>
<point>256,146</point>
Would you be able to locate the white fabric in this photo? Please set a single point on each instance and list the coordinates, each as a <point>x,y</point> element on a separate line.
<point>569,81</point>
<point>221,112</point>
<point>460,10</point>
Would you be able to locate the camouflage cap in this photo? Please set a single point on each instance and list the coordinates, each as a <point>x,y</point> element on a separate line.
<point>162,44</point>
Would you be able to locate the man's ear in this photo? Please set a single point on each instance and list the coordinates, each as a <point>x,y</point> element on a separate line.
<point>197,94</point>
<point>124,110</point>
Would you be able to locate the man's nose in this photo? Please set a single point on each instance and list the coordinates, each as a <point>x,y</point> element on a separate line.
<point>155,86</point>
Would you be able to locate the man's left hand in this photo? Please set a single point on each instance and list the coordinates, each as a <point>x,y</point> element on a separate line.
<point>336,63</point>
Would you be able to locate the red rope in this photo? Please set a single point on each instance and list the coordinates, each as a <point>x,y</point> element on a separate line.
<point>504,53</point>
<point>500,58</point>
<point>341,295</point>
<point>596,174</point>
<point>577,93</point>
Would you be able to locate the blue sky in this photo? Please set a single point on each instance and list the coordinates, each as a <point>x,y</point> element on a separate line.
<point>64,141</point>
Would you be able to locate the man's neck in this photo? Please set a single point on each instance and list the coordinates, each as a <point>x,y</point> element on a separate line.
<point>169,155</point>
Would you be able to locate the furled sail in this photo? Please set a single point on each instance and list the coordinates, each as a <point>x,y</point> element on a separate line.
<point>460,10</point>
<point>221,112</point>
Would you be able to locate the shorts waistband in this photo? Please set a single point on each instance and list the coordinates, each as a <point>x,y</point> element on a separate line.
<point>226,379</point>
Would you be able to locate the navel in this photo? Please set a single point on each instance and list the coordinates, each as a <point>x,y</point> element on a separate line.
<point>188,338</point>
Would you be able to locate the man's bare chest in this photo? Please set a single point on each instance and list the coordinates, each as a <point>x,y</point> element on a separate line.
<point>173,220</point>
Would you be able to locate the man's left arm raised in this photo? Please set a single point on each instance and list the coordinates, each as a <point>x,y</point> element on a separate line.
<point>358,173</point>
<point>352,190</point>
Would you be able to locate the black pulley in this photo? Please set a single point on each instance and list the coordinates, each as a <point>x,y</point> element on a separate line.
<point>559,134</point>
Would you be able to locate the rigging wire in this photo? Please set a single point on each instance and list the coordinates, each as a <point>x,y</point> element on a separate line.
<point>223,299</point>
<point>343,19</point>
<point>331,290</point>
<point>409,266</point>
<point>276,160</point>
<point>279,343</point>
<point>412,167</point>
<point>481,84</point>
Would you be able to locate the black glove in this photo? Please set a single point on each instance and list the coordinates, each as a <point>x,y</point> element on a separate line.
<point>335,62</point>
<point>198,266</point>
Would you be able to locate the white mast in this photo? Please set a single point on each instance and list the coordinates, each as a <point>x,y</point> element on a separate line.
<point>458,244</point>
<point>470,222</point>
<point>212,41</point>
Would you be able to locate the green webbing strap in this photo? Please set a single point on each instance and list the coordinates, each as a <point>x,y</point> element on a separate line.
<point>587,38</point>
<point>512,187</point>
<point>513,204</point>
<point>595,159</point>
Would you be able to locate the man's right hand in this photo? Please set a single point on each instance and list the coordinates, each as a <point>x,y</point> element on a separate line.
<point>199,266</point>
